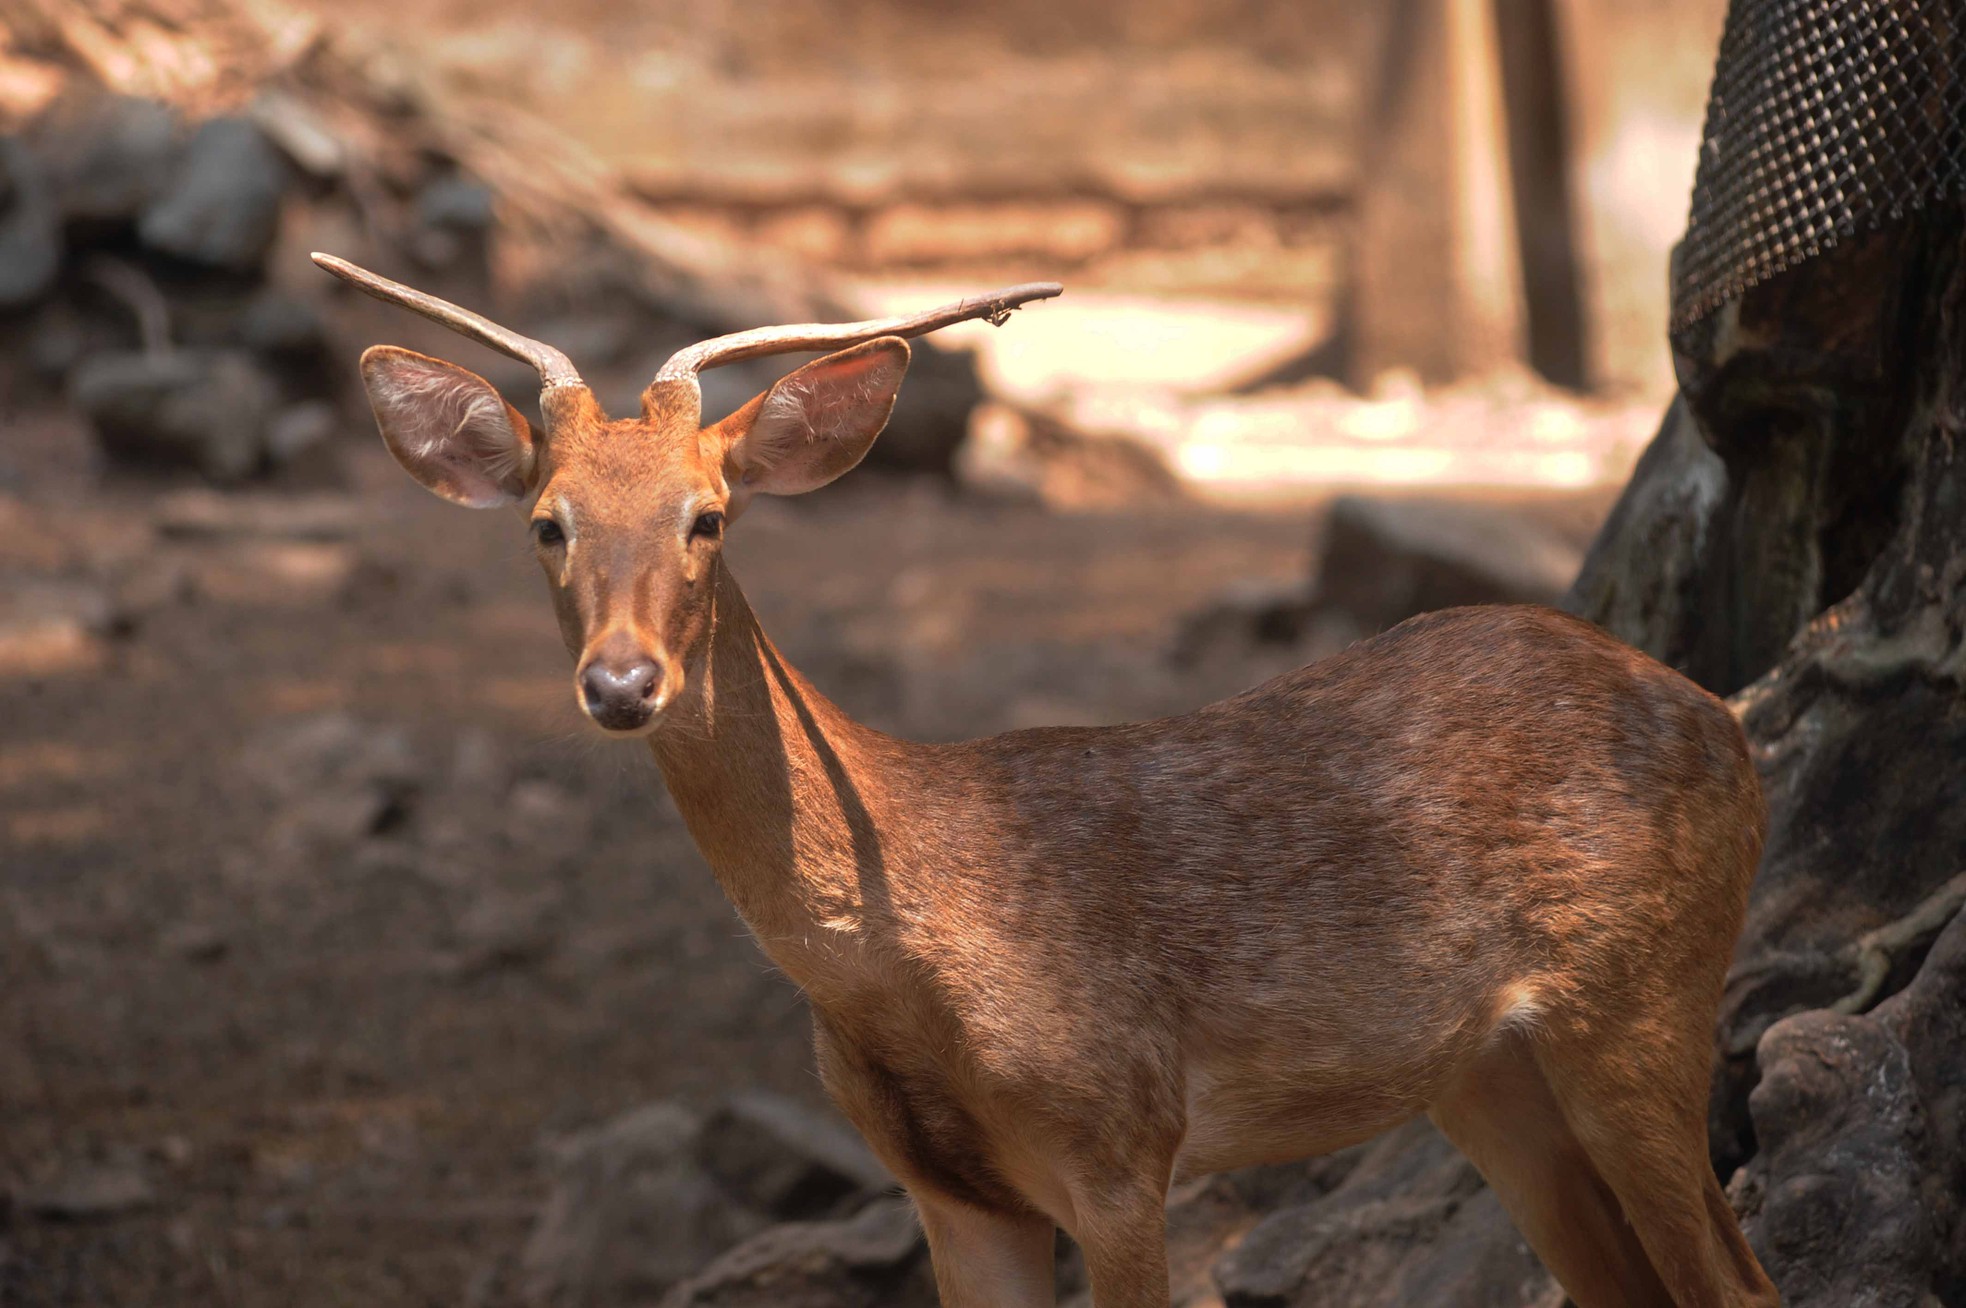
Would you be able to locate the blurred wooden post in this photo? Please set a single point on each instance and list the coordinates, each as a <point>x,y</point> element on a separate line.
<point>1436,286</point>
<point>1537,70</point>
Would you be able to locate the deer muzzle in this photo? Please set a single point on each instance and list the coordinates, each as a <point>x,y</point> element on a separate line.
<point>620,685</point>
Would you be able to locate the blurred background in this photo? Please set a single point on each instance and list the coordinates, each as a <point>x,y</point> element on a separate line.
<point>339,961</point>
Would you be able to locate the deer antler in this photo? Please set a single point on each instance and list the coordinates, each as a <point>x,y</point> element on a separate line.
<point>555,369</point>
<point>801,337</point>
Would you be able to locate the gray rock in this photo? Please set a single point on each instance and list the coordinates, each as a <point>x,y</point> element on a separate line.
<point>1249,611</point>
<point>454,214</point>
<point>212,515</point>
<point>195,942</point>
<point>207,410</point>
<point>1385,560</point>
<point>786,1159</point>
<point>108,156</point>
<point>280,326</point>
<point>333,780</point>
<point>299,428</point>
<point>507,931</point>
<point>456,203</point>
<point>877,1259</point>
<point>300,131</point>
<point>650,1198</point>
<point>1029,456</point>
<point>30,228</point>
<point>1411,1226</point>
<point>91,1192</point>
<point>222,206</point>
<point>51,624</point>
<point>631,1212</point>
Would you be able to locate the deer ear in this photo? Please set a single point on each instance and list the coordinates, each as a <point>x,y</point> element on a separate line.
<point>448,428</point>
<point>815,423</point>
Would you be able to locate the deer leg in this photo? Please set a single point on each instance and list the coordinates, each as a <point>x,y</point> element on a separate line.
<point>1635,1098</point>
<point>1499,1112</point>
<point>989,1260</point>
<point>1124,1236</point>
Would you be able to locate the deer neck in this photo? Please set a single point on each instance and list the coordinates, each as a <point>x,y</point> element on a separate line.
<point>782,792</point>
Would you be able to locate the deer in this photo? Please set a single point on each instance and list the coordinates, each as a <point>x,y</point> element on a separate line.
<point>1487,866</point>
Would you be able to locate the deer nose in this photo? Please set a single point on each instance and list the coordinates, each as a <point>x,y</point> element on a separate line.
<point>620,696</point>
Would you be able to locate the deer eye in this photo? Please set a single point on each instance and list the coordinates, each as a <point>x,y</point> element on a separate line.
<point>710,525</point>
<point>547,532</point>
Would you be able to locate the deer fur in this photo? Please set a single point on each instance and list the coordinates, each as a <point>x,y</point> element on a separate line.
<point>1488,866</point>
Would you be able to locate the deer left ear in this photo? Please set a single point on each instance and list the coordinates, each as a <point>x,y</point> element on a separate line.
<point>815,423</point>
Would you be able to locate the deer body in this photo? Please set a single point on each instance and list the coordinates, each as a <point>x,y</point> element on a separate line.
<point>1488,866</point>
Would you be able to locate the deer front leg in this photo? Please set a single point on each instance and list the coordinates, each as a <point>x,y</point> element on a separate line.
<point>988,1260</point>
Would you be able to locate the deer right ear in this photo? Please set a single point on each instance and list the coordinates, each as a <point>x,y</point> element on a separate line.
<point>448,428</point>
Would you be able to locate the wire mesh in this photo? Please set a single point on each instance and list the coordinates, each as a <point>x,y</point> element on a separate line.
<point>1827,119</point>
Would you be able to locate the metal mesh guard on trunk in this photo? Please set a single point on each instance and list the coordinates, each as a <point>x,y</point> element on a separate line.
<point>1827,119</point>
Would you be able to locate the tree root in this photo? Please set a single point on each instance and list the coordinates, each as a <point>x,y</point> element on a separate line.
<point>1876,951</point>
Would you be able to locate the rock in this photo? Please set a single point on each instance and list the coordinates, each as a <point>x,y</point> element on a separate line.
<point>207,410</point>
<point>786,1159</point>
<point>1024,455</point>
<point>454,215</point>
<point>300,131</point>
<point>631,1212</point>
<point>1412,1225</point>
<point>502,931</point>
<point>57,340</point>
<point>222,205</point>
<point>195,942</point>
<point>299,428</point>
<point>931,415</point>
<point>30,228</point>
<point>334,779</point>
<point>877,1259</point>
<point>108,156</point>
<point>1929,1019</point>
<point>91,1192</point>
<point>1841,1218</point>
<point>1855,1193</point>
<point>1249,611</point>
<point>652,1197</point>
<point>456,203</point>
<point>282,327</point>
<point>53,626</point>
<point>210,515</point>
<point>1385,560</point>
<point>1208,1216</point>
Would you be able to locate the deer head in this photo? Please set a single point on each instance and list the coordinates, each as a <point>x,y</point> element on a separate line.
<point>627,516</point>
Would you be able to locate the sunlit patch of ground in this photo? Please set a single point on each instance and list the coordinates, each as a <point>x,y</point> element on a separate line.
<point>1167,372</point>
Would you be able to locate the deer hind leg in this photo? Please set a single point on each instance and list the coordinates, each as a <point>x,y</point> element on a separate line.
<point>1126,1254</point>
<point>989,1260</point>
<point>1634,1095</point>
<point>1500,1112</point>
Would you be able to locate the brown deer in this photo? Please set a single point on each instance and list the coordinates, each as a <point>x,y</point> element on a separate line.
<point>1488,866</point>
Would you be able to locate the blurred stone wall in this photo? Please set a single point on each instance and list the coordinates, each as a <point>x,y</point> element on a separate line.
<point>1166,147</point>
